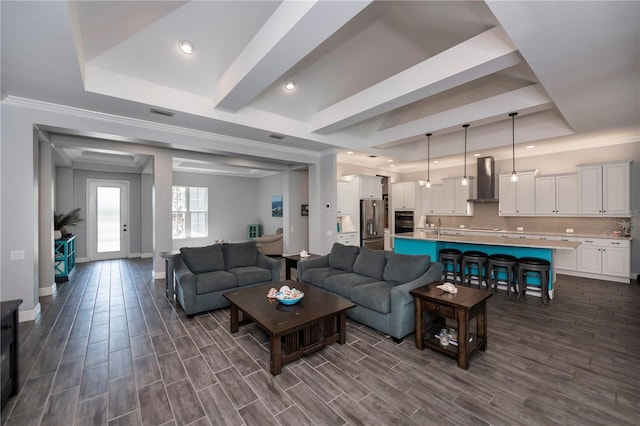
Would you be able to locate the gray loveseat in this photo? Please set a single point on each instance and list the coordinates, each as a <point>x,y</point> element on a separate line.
<point>377,281</point>
<point>204,274</point>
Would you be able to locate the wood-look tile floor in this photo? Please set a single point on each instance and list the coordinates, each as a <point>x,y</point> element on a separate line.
<point>110,349</point>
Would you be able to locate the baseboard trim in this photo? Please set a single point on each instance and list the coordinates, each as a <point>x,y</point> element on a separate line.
<point>29,314</point>
<point>133,255</point>
<point>593,276</point>
<point>82,259</point>
<point>47,291</point>
<point>159,275</point>
<point>146,255</point>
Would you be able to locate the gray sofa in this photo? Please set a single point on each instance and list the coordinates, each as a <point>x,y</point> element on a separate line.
<point>377,281</point>
<point>204,274</point>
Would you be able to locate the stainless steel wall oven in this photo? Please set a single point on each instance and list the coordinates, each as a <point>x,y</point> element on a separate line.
<point>403,221</point>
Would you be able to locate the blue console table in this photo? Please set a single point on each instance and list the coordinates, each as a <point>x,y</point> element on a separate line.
<point>65,257</point>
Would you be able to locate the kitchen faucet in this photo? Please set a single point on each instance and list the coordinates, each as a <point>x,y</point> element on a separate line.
<point>438,228</point>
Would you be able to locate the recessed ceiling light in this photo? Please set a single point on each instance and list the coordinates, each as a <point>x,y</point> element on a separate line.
<point>530,146</point>
<point>186,47</point>
<point>290,85</point>
<point>435,161</point>
<point>392,165</point>
<point>389,161</point>
<point>476,155</point>
<point>350,152</point>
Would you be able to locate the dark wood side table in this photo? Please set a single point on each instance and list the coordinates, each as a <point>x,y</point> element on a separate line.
<point>466,304</point>
<point>168,257</point>
<point>291,261</point>
<point>9,363</point>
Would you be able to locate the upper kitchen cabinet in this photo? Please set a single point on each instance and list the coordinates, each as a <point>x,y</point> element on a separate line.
<point>517,198</point>
<point>370,187</point>
<point>404,195</point>
<point>343,201</point>
<point>557,195</point>
<point>604,189</point>
<point>432,200</point>
<point>455,196</point>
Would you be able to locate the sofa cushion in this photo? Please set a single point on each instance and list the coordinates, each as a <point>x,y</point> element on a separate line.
<point>342,257</point>
<point>207,282</point>
<point>402,268</point>
<point>375,296</point>
<point>370,263</point>
<point>317,276</point>
<point>203,259</point>
<point>344,283</point>
<point>239,254</point>
<point>251,274</point>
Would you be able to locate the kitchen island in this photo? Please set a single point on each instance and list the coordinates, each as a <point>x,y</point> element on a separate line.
<point>428,242</point>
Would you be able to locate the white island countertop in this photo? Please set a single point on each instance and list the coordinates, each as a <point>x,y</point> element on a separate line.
<point>490,240</point>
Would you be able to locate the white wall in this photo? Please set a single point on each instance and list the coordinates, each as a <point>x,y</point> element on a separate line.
<point>266,188</point>
<point>146,212</point>
<point>298,225</point>
<point>233,204</point>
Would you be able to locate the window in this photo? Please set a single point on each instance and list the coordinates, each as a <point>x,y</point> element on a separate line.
<point>189,212</point>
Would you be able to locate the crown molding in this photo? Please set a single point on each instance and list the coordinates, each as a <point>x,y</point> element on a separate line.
<point>159,127</point>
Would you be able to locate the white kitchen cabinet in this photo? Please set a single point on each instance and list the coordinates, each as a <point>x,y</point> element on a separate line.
<point>455,196</point>
<point>565,260</point>
<point>370,187</point>
<point>426,199</point>
<point>517,198</point>
<point>404,195</point>
<point>604,189</point>
<point>604,259</point>
<point>556,195</point>
<point>343,200</point>
<point>348,238</point>
<point>436,199</point>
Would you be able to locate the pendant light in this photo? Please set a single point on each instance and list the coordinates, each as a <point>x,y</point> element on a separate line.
<point>464,177</point>
<point>514,175</point>
<point>428,158</point>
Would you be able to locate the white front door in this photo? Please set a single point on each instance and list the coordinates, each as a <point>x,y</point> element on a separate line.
<point>107,227</point>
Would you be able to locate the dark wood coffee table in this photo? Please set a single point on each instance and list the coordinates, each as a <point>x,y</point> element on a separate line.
<point>463,306</point>
<point>291,261</point>
<point>318,320</point>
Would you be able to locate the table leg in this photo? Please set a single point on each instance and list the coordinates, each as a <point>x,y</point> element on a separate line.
<point>287,269</point>
<point>463,338</point>
<point>166,276</point>
<point>342,327</point>
<point>482,326</point>
<point>276,355</point>
<point>234,318</point>
<point>419,324</point>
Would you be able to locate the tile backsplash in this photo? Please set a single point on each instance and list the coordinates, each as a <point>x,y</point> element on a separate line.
<point>485,215</point>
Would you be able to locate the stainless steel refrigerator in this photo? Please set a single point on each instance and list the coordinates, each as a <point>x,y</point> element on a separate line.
<point>372,224</point>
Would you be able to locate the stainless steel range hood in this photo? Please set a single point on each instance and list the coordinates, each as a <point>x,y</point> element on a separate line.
<point>486,181</point>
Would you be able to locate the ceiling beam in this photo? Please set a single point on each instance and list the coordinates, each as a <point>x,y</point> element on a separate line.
<point>525,100</point>
<point>291,33</point>
<point>484,54</point>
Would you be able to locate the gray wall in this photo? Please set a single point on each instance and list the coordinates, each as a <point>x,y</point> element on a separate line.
<point>268,187</point>
<point>233,204</point>
<point>297,237</point>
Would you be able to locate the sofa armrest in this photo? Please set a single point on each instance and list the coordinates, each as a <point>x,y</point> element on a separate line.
<point>273,265</point>
<point>186,281</point>
<point>400,295</point>
<point>318,262</point>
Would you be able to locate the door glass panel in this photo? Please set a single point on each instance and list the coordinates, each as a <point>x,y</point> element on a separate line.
<point>108,218</point>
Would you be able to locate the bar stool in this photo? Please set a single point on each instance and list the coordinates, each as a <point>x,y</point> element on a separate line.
<point>450,257</point>
<point>503,263</point>
<point>537,267</point>
<point>477,259</point>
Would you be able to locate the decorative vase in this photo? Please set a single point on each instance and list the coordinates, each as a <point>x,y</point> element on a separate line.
<point>57,234</point>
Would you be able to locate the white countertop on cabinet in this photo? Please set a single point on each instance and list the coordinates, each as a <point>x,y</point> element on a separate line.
<point>490,240</point>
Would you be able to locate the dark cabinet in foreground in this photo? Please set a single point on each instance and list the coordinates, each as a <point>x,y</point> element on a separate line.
<point>9,361</point>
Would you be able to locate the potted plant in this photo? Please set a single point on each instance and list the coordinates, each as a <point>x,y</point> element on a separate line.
<point>67,219</point>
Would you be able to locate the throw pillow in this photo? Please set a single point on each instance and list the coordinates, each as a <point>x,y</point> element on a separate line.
<point>342,257</point>
<point>203,259</point>
<point>402,268</point>
<point>240,254</point>
<point>370,263</point>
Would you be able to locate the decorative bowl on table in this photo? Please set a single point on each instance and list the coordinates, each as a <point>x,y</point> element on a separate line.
<point>288,298</point>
